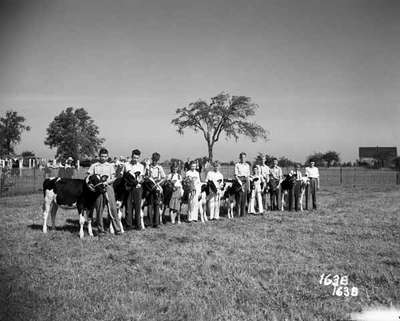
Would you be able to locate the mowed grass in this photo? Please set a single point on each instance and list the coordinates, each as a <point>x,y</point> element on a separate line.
<point>252,268</point>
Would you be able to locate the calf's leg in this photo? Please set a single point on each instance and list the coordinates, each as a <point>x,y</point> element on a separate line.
<point>81,223</point>
<point>53,210</point>
<point>89,221</point>
<point>47,204</point>
<point>301,198</point>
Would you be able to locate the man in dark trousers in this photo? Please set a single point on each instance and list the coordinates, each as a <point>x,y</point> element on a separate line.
<point>134,199</point>
<point>242,173</point>
<point>156,172</point>
<point>297,187</point>
<point>106,170</point>
<point>275,173</point>
<point>313,174</point>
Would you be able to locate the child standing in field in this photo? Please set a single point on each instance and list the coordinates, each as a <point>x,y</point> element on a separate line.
<point>257,183</point>
<point>193,202</point>
<point>214,199</point>
<point>175,202</point>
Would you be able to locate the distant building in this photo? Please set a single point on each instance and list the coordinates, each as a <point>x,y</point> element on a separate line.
<point>380,156</point>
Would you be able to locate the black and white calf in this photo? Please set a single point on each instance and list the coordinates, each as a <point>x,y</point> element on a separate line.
<point>123,186</point>
<point>230,192</point>
<point>293,188</point>
<point>67,191</point>
<point>287,186</point>
<point>304,182</point>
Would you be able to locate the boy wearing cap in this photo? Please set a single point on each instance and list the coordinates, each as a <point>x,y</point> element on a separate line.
<point>105,170</point>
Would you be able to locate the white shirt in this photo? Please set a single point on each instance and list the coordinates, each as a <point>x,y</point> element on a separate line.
<point>312,172</point>
<point>215,177</point>
<point>242,169</point>
<point>101,169</point>
<point>264,171</point>
<point>298,175</point>
<point>156,172</point>
<point>176,179</point>
<point>196,179</point>
<point>276,172</point>
<point>133,168</point>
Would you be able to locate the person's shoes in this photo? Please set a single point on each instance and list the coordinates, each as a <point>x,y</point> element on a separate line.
<point>118,233</point>
<point>101,233</point>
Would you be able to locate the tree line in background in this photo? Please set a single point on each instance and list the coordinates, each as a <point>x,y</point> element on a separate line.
<point>74,133</point>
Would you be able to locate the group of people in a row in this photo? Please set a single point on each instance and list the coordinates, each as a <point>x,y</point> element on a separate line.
<point>253,179</point>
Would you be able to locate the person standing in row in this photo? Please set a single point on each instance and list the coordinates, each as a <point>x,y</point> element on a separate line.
<point>193,204</point>
<point>257,182</point>
<point>105,170</point>
<point>156,172</point>
<point>242,173</point>
<point>313,174</point>
<point>264,171</point>
<point>275,173</point>
<point>217,178</point>
<point>297,186</point>
<point>134,199</point>
<point>175,202</point>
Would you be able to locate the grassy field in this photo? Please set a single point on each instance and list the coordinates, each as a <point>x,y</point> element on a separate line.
<point>253,268</point>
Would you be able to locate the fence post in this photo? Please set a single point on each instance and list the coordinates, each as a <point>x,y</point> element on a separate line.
<point>2,175</point>
<point>341,175</point>
<point>34,179</point>
<point>398,178</point>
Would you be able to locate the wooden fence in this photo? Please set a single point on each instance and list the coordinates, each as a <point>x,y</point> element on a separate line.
<point>30,180</point>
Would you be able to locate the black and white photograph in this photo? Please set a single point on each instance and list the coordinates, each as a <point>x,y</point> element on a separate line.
<point>200,160</point>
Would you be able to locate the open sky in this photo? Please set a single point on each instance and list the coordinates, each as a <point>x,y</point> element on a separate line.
<point>326,74</point>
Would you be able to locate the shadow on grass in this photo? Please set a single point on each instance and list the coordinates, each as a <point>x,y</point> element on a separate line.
<point>72,226</point>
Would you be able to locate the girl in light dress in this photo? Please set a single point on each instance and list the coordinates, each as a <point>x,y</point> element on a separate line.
<point>175,202</point>
<point>256,192</point>
<point>193,204</point>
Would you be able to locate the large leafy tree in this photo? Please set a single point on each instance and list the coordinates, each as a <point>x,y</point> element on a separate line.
<point>285,162</point>
<point>73,133</point>
<point>331,157</point>
<point>268,158</point>
<point>11,128</point>
<point>223,115</point>
<point>318,158</point>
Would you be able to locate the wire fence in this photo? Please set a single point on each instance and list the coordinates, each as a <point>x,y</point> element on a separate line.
<point>30,180</point>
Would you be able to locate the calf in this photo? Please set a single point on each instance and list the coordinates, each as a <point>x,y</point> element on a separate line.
<point>189,192</point>
<point>274,189</point>
<point>123,185</point>
<point>299,186</point>
<point>304,182</point>
<point>287,186</point>
<point>167,191</point>
<point>230,191</point>
<point>68,191</point>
